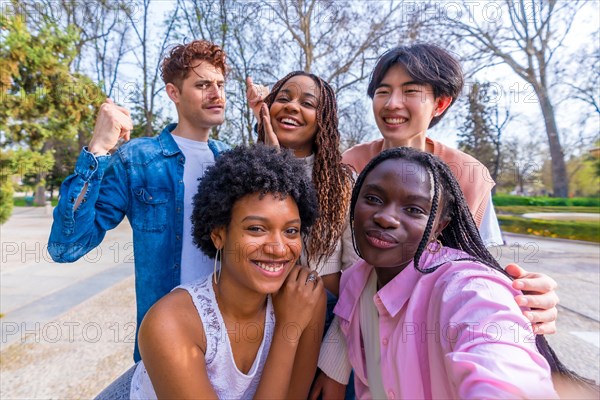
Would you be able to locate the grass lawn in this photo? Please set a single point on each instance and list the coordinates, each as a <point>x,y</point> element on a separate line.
<point>519,210</point>
<point>575,230</point>
<point>20,202</point>
<point>511,221</point>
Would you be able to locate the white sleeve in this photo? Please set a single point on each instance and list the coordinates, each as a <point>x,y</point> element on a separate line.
<point>490,229</point>
<point>333,358</point>
<point>344,255</point>
<point>349,256</point>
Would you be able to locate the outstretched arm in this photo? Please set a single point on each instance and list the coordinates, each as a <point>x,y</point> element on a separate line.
<point>488,339</point>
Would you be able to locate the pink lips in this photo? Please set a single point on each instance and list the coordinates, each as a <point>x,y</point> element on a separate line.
<point>380,239</point>
<point>215,106</point>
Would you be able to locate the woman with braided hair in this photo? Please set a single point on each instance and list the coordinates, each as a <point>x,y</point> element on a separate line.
<point>430,313</point>
<point>300,113</point>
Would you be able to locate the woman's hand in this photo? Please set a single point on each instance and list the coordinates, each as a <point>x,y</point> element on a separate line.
<point>539,295</point>
<point>295,302</point>
<point>270,137</point>
<point>255,94</point>
<point>299,318</point>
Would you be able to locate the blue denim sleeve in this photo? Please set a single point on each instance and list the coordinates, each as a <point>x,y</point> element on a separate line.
<point>75,232</point>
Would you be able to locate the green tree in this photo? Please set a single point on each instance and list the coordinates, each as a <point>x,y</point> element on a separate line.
<point>6,187</point>
<point>42,101</point>
<point>41,97</point>
<point>481,131</point>
<point>525,37</point>
<point>29,167</point>
<point>583,174</point>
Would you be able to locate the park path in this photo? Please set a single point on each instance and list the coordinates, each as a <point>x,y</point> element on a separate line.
<point>67,329</point>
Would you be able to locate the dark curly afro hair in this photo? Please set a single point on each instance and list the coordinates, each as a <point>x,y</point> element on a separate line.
<point>244,171</point>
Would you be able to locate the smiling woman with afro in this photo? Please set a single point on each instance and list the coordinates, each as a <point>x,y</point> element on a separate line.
<point>244,171</point>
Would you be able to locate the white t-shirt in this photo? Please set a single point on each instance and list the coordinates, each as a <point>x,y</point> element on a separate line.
<point>490,228</point>
<point>198,156</point>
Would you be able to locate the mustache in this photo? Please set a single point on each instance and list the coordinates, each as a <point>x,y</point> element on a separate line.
<point>218,102</point>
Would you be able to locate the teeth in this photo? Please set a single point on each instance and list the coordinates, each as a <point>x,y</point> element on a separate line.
<point>289,121</point>
<point>395,121</point>
<point>270,268</point>
<point>381,241</point>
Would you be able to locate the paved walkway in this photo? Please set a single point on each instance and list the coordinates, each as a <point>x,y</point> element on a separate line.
<point>67,329</point>
<point>593,217</point>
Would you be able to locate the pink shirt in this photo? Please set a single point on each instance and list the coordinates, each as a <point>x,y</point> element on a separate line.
<point>453,333</point>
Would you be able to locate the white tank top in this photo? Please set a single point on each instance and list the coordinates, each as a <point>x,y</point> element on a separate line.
<point>227,380</point>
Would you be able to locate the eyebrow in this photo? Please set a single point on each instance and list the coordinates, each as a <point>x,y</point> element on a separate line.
<point>263,219</point>
<point>420,198</point>
<point>307,94</point>
<point>404,84</point>
<point>373,186</point>
<point>412,197</point>
<point>210,81</point>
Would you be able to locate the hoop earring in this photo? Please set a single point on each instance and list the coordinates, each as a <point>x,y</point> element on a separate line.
<point>437,246</point>
<point>216,278</point>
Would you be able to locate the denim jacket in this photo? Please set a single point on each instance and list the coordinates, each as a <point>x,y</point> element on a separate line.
<point>142,180</point>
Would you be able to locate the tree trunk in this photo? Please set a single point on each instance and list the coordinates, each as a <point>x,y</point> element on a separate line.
<point>560,180</point>
<point>148,129</point>
<point>40,195</point>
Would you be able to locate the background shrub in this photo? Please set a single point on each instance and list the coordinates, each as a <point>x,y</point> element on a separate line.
<point>6,200</point>
<point>508,200</point>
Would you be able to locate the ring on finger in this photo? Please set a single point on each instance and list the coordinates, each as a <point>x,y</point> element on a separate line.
<point>311,278</point>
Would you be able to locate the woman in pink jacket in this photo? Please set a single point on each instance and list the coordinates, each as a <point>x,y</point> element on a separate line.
<point>430,313</point>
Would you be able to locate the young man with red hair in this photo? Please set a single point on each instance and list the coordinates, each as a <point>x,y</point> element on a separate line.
<point>150,180</point>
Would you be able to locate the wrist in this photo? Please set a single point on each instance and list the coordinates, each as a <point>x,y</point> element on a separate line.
<point>97,150</point>
<point>288,332</point>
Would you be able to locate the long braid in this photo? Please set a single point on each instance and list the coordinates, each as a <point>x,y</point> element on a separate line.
<point>332,180</point>
<point>460,233</point>
<point>430,221</point>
